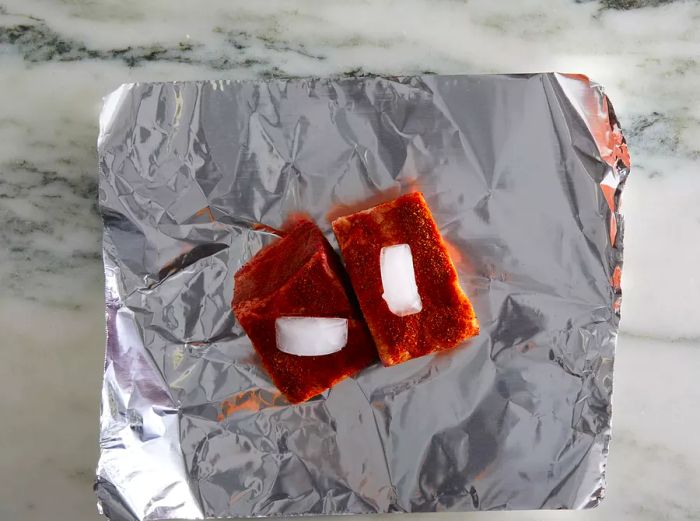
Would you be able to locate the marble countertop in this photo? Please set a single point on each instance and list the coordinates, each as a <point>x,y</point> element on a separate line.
<point>58,58</point>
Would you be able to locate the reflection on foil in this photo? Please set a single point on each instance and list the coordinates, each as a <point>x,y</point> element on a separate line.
<point>523,174</point>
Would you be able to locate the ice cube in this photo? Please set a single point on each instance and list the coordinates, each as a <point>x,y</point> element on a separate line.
<point>399,280</point>
<point>311,336</point>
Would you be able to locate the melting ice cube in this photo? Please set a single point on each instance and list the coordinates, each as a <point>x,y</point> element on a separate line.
<point>311,336</point>
<point>399,280</point>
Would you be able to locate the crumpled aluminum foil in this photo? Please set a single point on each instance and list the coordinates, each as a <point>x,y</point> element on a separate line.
<point>523,174</point>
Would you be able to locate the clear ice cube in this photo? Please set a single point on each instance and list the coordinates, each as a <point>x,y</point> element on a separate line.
<point>311,336</point>
<point>399,280</point>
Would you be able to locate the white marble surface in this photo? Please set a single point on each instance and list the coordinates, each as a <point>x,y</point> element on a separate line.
<point>58,57</point>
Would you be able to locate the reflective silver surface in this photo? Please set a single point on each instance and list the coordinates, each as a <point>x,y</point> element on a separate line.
<point>523,175</point>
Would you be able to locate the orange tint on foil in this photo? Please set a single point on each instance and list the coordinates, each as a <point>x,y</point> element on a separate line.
<point>454,252</point>
<point>599,116</point>
<point>206,211</point>
<point>601,123</point>
<point>259,227</point>
<point>617,278</point>
<point>248,401</point>
<point>609,194</point>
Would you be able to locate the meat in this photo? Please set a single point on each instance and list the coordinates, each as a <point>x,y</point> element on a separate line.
<point>445,316</point>
<point>300,275</point>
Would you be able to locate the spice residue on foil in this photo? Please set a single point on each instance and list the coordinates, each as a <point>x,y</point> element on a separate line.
<point>523,174</point>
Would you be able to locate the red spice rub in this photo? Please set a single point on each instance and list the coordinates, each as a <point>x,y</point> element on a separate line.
<point>300,275</point>
<point>447,317</point>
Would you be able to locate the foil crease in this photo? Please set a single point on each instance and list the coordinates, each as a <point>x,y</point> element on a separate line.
<point>523,174</point>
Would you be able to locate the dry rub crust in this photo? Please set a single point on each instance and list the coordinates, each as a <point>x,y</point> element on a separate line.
<point>300,275</point>
<point>447,317</point>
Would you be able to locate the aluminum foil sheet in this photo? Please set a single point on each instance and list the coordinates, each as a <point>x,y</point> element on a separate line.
<point>523,174</point>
